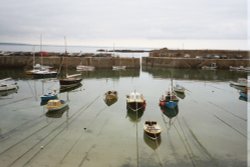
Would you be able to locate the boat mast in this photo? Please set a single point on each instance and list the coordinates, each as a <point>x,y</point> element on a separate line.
<point>65,53</point>
<point>41,48</point>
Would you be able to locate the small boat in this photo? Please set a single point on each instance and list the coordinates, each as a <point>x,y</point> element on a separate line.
<point>118,67</point>
<point>56,104</point>
<point>178,88</point>
<point>43,73</point>
<point>49,96</point>
<point>85,68</point>
<point>242,82</point>
<point>4,86</point>
<point>7,86</point>
<point>135,101</point>
<point>70,80</point>
<point>169,100</point>
<point>212,66</point>
<point>233,68</point>
<point>152,129</point>
<point>110,97</point>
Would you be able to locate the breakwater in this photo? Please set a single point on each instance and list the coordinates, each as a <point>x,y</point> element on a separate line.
<point>71,62</point>
<point>167,62</point>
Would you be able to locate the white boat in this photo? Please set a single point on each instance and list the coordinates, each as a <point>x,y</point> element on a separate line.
<point>152,129</point>
<point>240,68</point>
<point>85,68</point>
<point>7,86</point>
<point>44,73</point>
<point>242,82</point>
<point>135,101</point>
<point>179,89</point>
<point>118,67</point>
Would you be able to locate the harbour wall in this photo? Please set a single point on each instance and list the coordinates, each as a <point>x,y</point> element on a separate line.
<point>71,62</point>
<point>195,63</point>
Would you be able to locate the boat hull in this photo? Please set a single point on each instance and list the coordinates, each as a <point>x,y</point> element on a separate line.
<point>136,106</point>
<point>69,82</point>
<point>5,87</point>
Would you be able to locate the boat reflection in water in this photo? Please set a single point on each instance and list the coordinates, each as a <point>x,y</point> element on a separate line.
<point>153,144</point>
<point>170,113</point>
<point>70,88</point>
<point>180,95</point>
<point>57,113</point>
<point>243,96</point>
<point>8,92</point>
<point>135,116</point>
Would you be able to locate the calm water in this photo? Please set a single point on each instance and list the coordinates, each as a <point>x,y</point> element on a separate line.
<point>209,130</point>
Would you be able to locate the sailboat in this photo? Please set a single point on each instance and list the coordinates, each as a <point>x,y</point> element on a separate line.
<point>69,80</point>
<point>40,71</point>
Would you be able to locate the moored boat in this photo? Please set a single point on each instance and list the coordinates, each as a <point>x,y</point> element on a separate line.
<point>49,96</point>
<point>135,101</point>
<point>169,100</point>
<point>56,104</point>
<point>178,88</point>
<point>110,97</point>
<point>242,82</point>
<point>70,80</point>
<point>152,129</point>
<point>4,86</point>
<point>85,68</point>
<point>118,67</point>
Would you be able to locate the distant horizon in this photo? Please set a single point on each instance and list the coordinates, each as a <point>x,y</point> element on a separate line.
<point>170,44</point>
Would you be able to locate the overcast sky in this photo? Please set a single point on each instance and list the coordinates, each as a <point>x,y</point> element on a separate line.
<point>123,22</point>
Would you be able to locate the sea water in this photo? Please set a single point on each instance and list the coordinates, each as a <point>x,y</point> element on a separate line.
<point>209,129</point>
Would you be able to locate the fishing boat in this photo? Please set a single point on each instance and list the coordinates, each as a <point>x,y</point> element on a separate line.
<point>110,97</point>
<point>4,86</point>
<point>242,82</point>
<point>169,100</point>
<point>56,105</point>
<point>152,129</point>
<point>49,96</point>
<point>135,101</point>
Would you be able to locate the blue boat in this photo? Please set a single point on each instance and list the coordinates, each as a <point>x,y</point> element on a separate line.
<point>49,96</point>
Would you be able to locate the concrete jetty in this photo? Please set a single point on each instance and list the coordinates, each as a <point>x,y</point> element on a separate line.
<point>105,62</point>
<point>196,58</point>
